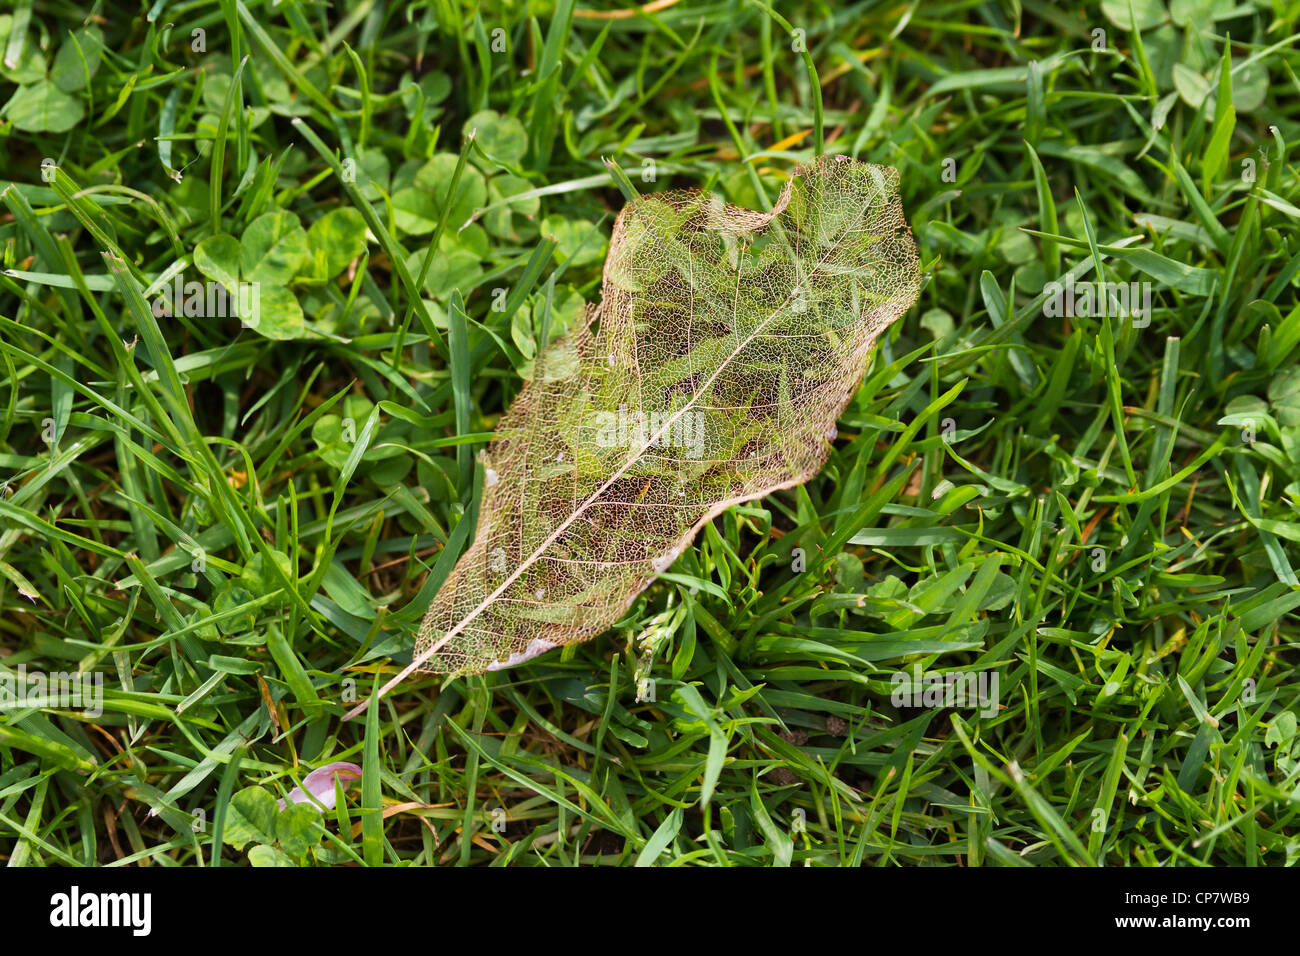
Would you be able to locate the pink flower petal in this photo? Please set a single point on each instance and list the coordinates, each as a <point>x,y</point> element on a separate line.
<point>320,783</point>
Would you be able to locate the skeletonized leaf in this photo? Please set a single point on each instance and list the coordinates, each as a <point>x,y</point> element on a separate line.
<point>725,347</point>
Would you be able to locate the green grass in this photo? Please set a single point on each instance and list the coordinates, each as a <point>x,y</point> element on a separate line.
<point>238,529</point>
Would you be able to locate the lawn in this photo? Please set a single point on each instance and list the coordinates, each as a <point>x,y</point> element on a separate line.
<point>273,272</point>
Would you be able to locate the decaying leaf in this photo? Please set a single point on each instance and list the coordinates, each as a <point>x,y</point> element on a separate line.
<point>725,347</point>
